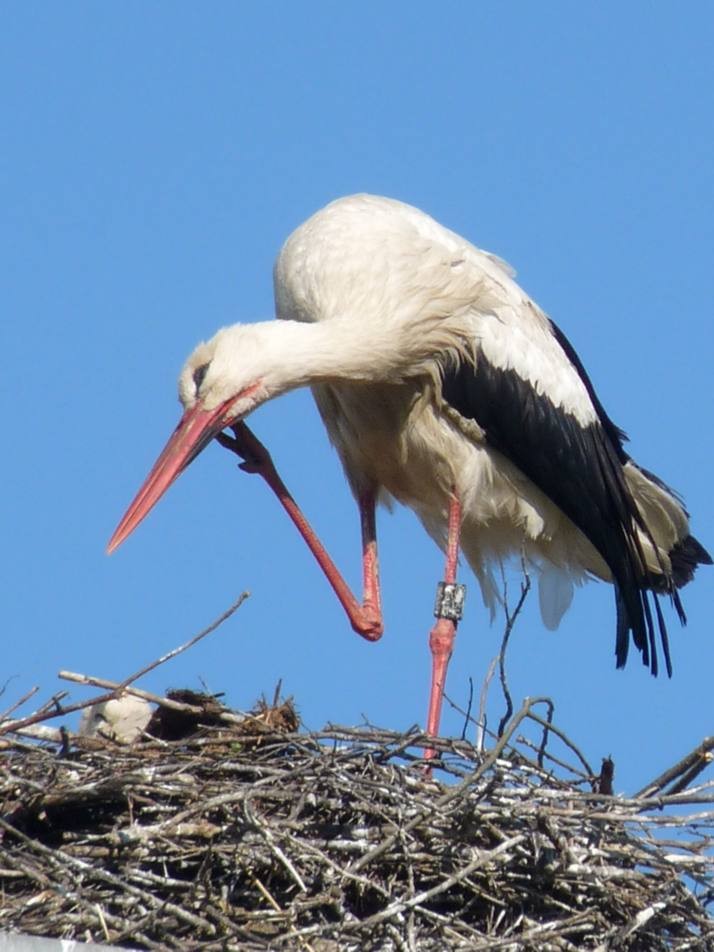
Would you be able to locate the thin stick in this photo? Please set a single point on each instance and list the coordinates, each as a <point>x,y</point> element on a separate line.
<point>13,707</point>
<point>453,792</point>
<point>547,726</point>
<point>510,622</point>
<point>698,759</point>
<point>158,699</point>
<point>12,727</point>
<point>482,859</point>
<point>467,715</point>
<point>189,644</point>
<point>482,721</point>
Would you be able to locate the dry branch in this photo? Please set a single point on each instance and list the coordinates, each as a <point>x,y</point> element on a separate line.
<point>249,835</point>
<point>53,708</point>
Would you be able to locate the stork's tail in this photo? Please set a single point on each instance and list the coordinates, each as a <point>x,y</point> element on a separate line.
<point>684,557</point>
<point>671,553</point>
<point>669,556</point>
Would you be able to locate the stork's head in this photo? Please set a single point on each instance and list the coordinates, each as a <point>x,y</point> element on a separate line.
<point>234,370</point>
<point>221,382</point>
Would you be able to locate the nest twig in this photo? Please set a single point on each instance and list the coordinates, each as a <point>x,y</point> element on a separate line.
<point>250,835</point>
<point>219,830</point>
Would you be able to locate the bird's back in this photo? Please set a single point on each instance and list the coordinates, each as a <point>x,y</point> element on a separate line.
<point>369,256</point>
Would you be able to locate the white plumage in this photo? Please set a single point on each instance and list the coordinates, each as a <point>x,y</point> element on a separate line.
<point>122,719</point>
<point>438,378</point>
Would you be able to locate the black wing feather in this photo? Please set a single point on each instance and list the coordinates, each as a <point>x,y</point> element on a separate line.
<point>579,468</point>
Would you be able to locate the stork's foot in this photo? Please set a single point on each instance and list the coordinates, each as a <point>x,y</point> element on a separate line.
<point>245,444</point>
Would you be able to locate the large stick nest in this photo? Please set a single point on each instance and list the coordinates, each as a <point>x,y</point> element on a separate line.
<point>249,834</point>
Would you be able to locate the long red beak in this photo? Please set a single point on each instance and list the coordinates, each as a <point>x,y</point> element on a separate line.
<point>195,431</point>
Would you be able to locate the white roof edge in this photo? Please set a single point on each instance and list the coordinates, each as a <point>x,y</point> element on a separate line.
<point>11,942</point>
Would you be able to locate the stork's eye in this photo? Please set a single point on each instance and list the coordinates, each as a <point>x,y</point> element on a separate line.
<point>198,375</point>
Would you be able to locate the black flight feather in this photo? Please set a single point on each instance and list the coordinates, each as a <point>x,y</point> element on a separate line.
<point>580,468</point>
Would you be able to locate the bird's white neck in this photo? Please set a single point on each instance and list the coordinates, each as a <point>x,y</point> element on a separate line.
<point>272,357</point>
<point>286,354</point>
<point>339,349</point>
<point>332,350</point>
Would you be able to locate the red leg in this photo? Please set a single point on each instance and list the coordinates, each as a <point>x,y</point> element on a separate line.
<point>371,595</point>
<point>366,619</point>
<point>448,611</point>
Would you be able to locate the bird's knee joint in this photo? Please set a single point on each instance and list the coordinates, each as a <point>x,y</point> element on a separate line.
<point>371,629</point>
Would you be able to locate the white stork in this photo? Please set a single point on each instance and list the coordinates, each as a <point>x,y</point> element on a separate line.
<point>444,386</point>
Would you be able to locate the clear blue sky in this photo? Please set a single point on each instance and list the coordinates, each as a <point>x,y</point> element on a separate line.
<point>155,156</point>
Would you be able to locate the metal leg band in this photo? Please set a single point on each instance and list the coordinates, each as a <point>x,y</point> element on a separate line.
<point>449,601</point>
